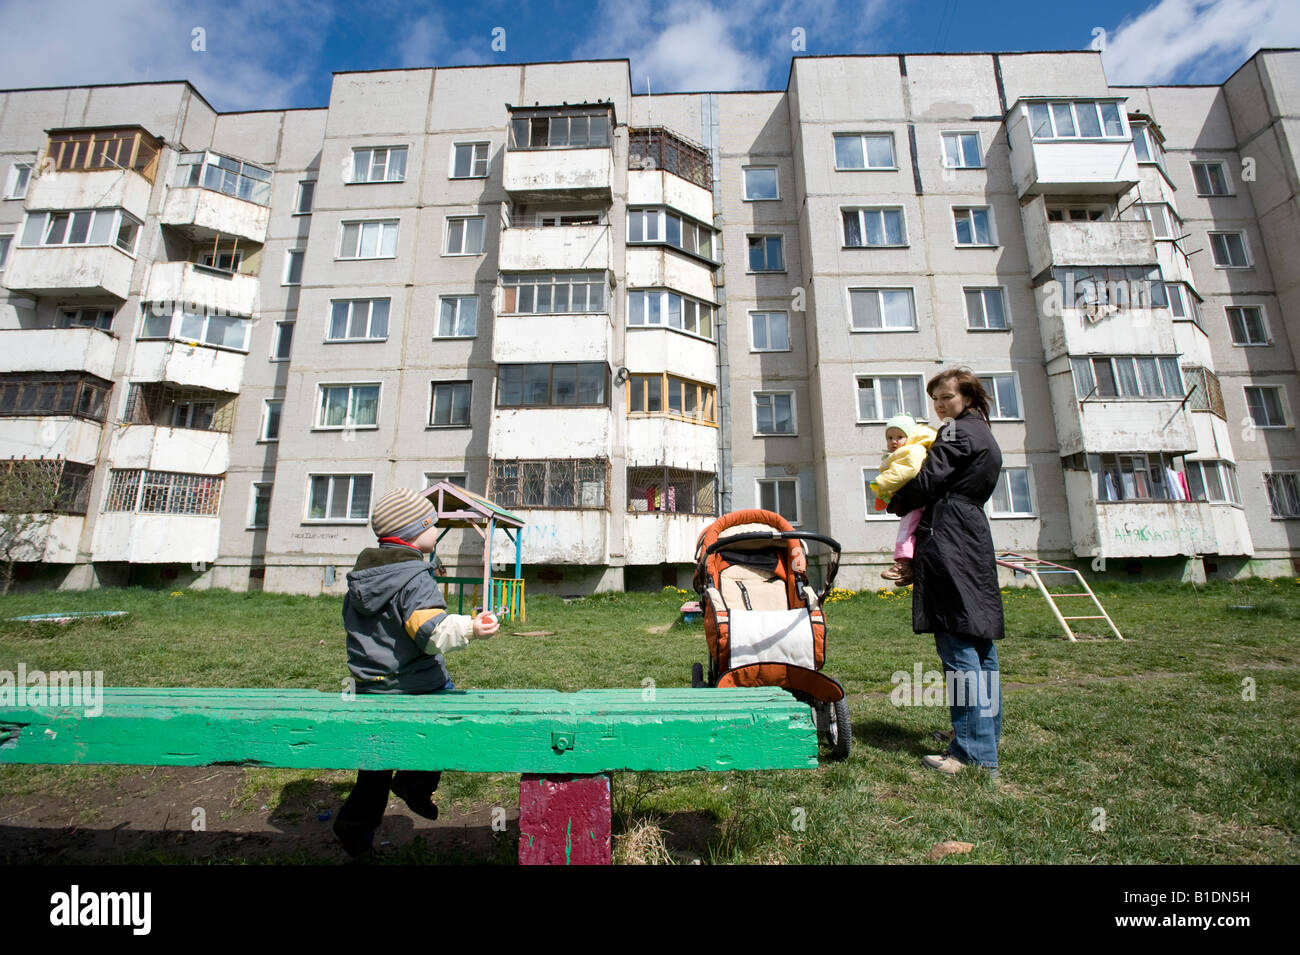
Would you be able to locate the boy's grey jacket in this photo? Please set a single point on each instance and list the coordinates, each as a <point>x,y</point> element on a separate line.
<point>397,622</point>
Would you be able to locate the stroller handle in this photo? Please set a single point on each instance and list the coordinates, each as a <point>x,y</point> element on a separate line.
<point>830,542</point>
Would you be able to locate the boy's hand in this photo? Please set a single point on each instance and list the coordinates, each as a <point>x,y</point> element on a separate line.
<point>485,624</point>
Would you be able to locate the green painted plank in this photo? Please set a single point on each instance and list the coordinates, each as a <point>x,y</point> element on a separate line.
<point>473,731</point>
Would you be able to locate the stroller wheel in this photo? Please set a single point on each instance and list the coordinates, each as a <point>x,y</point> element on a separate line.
<point>697,675</point>
<point>841,732</point>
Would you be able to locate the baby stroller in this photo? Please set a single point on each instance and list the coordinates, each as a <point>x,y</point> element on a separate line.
<point>762,619</point>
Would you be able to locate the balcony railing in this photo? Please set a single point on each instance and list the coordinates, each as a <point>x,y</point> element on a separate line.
<point>655,147</point>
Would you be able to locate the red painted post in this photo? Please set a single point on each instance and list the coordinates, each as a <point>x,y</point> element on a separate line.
<point>564,820</point>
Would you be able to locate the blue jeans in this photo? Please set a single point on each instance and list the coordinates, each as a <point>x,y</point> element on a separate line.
<point>974,688</point>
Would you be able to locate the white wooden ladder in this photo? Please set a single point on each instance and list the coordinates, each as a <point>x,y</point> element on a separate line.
<point>1036,568</point>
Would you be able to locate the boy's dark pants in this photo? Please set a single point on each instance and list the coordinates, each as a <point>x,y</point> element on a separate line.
<point>365,806</point>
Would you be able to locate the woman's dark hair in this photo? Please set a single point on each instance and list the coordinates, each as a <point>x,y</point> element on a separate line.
<point>967,385</point>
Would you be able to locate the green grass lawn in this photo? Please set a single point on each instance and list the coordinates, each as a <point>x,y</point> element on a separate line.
<point>1143,751</point>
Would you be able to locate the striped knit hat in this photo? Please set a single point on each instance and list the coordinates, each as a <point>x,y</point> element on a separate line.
<point>402,513</point>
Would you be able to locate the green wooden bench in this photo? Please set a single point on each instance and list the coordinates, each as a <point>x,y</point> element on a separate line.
<point>564,744</point>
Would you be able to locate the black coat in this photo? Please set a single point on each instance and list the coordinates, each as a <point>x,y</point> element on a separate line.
<point>954,569</point>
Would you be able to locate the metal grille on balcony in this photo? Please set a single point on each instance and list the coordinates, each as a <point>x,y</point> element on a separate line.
<point>670,491</point>
<point>657,148</point>
<point>163,492</point>
<point>168,406</point>
<point>44,485</point>
<point>562,483</point>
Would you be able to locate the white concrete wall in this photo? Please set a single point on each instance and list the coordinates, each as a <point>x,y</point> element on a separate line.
<point>571,337</point>
<point>200,208</point>
<point>651,349</point>
<point>567,171</point>
<point>662,538</point>
<point>586,248</point>
<point>652,267</point>
<point>58,349</point>
<point>54,436</point>
<point>102,189</point>
<point>183,364</point>
<point>156,538</point>
<point>170,449</point>
<point>73,271</point>
<point>536,433</point>
<point>559,537</point>
<point>655,440</point>
<point>659,188</point>
<point>181,282</point>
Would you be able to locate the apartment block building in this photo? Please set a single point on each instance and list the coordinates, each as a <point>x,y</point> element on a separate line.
<point>618,315</point>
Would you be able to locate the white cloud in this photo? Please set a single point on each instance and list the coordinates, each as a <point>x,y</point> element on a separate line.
<point>423,42</point>
<point>1196,41</point>
<point>255,56</point>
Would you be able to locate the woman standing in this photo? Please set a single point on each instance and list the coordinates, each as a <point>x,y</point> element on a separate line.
<point>956,595</point>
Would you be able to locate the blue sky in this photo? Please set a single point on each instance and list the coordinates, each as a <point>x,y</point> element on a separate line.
<point>264,56</point>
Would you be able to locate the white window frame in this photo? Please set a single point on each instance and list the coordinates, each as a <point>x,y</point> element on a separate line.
<point>1124,133</point>
<point>1088,363</point>
<point>264,425</point>
<point>334,477</point>
<point>6,244</point>
<point>453,385</point>
<point>370,164</point>
<point>1295,478</point>
<point>1223,169</point>
<point>474,160</point>
<point>457,316</point>
<point>983,290</point>
<point>775,170</point>
<point>943,148</point>
<point>974,244</point>
<point>459,478</point>
<point>348,424</point>
<point>288,266</point>
<point>656,303</point>
<point>862,212</point>
<point>307,188</point>
<point>352,305</point>
<point>1225,474</point>
<point>767,329</point>
<point>278,337</point>
<point>995,406</point>
<point>660,217</point>
<point>464,235</point>
<point>117,219</point>
<point>862,141</point>
<point>1245,248</point>
<point>251,523</point>
<point>177,320</point>
<point>749,265</point>
<point>1153,148</point>
<point>591,281</point>
<point>1263,322</point>
<point>73,316</point>
<point>1281,401</point>
<point>869,475</point>
<point>1004,481</point>
<point>879,293</point>
<point>1169,219</point>
<point>795,521</point>
<point>383,225</point>
<point>878,414</point>
<point>12,188</point>
<point>794,414</point>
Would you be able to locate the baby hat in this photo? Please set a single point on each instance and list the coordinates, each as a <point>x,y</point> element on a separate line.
<point>402,513</point>
<point>903,422</point>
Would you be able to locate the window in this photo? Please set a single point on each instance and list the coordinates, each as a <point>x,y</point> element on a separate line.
<point>449,404</point>
<point>431,479</point>
<point>469,160</point>
<point>881,309</point>
<point>765,254</point>
<point>348,406</point>
<point>1246,322</point>
<point>225,175</point>
<point>869,475</point>
<point>163,492</point>
<point>1264,402</point>
<point>100,318</point>
<point>227,261</point>
<point>200,328</point>
<point>1004,397</point>
<point>306,196</point>
<point>646,307</point>
<point>774,412</point>
<point>985,309</point>
<point>559,128</point>
<point>559,220</point>
<point>674,397</point>
<point>769,331</point>
<point>1211,179</point>
<point>1229,250</point>
<point>166,405</point>
<point>1165,223</point>
<point>760,183</point>
<point>379,164</point>
<point>358,320</point>
<point>1146,143</point>
<point>369,240</point>
<point>270,428</point>
<point>873,227</point>
<point>1204,393</point>
<point>780,496</point>
<point>1143,376</point>
<point>457,316</point>
<point>68,393</point>
<point>880,398</point>
<point>20,175</point>
<point>66,483</point>
<point>1182,304</point>
<point>293,267</point>
<point>283,343</point>
<point>6,243</point>
<point>338,497</point>
<point>662,489</point>
<point>1119,286</point>
<point>1134,477</point>
<point>259,506</point>
<point>864,151</point>
<point>1011,495</point>
<point>539,293</point>
<point>1076,120</point>
<point>562,483</point>
<point>669,228</point>
<point>87,150</point>
<point>962,151</point>
<point>1059,212</point>
<point>974,226</point>
<point>1283,494</point>
<point>552,385</point>
<point>1212,481</point>
<point>464,235</point>
<point>82,227</point>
